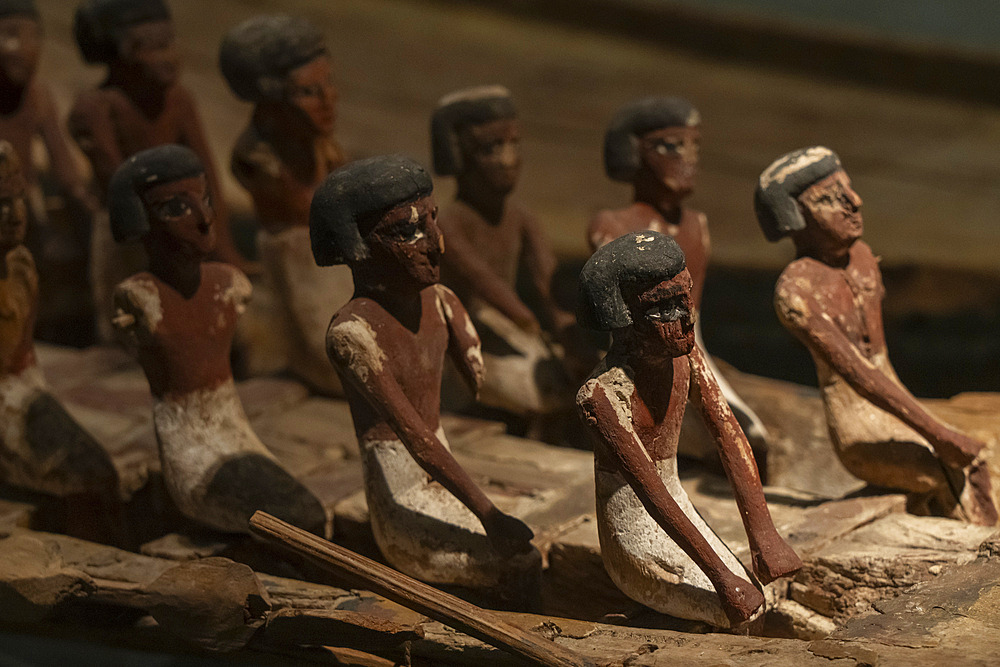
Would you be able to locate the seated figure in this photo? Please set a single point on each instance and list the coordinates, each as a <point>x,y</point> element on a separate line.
<point>281,64</point>
<point>474,137</point>
<point>655,545</point>
<point>138,105</point>
<point>388,344</point>
<point>178,319</point>
<point>41,447</point>
<point>652,143</point>
<point>830,298</point>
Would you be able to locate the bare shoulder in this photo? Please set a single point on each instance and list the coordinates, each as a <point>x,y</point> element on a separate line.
<point>137,303</point>
<point>794,294</point>
<point>608,384</point>
<point>232,284</point>
<point>88,105</point>
<point>351,341</point>
<point>254,158</point>
<point>518,212</point>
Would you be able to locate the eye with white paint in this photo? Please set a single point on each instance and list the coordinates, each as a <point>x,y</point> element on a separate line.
<point>670,310</point>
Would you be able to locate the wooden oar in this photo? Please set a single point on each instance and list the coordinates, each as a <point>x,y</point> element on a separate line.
<point>416,595</point>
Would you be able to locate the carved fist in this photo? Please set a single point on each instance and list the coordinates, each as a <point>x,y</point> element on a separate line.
<point>774,561</point>
<point>956,450</point>
<point>509,536</point>
<point>739,599</point>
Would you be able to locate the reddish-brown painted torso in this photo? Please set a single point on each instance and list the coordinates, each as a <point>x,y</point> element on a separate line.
<point>498,245</point>
<point>851,296</point>
<point>109,115</point>
<point>281,179</point>
<point>414,357</point>
<point>188,349</point>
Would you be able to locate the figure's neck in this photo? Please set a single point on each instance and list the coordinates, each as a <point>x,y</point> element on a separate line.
<point>836,256</point>
<point>281,128</point>
<point>182,272</point>
<point>150,99</point>
<point>401,298</point>
<point>11,97</point>
<point>667,202</point>
<point>490,204</point>
<point>627,348</point>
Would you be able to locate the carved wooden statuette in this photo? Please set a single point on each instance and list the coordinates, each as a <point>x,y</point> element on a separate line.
<point>655,546</point>
<point>281,64</point>
<point>653,143</point>
<point>41,447</point>
<point>429,517</point>
<point>475,134</point>
<point>139,105</point>
<point>27,107</point>
<point>830,298</point>
<point>179,319</point>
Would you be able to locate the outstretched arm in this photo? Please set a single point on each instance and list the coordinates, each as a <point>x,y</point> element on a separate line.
<point>360,361</point>
<point>598,410</point>
<point>464,347</point>
<point>801,314</point>
<point>772,557</point>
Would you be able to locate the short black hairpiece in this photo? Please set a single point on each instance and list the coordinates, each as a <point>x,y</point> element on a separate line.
<point>621,141</point>
<point>11,7</point>
<point>637,258</point>
<point>775,199</point>
<point>357,191</point>
<point>257,55</point>
<point>156,166</point>
<point>469,106</point>
<point>99,24</point>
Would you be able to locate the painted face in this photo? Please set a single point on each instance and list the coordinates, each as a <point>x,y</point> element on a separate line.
<point>150,48</point>
<point>671,155</point>
<point>20,46</point>
<point>181,214</point>
<point>492,153</point>
<point>407,239</point>
<point>663,316</point>
<point>309,90</point>
<point>13,222</point>
<point>831,208</point>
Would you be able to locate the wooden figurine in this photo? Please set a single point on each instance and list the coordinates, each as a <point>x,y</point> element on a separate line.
<point>655,546</point>
<point>830,298</point>
<point>41,447</point>
<point>475,136</point>
<point>388,344</point>
<point>653,143</point>
<point>28,110</point>
<point>281,64</point>
<point>179,319</point>
<point>139,105</point>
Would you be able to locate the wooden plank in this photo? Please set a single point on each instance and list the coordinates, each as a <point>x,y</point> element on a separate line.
<point>479,623</point>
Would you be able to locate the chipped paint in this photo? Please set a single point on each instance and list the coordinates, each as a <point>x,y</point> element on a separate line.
<point>353,344</point>
<point>780,170</point>
<point>141,296</point>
